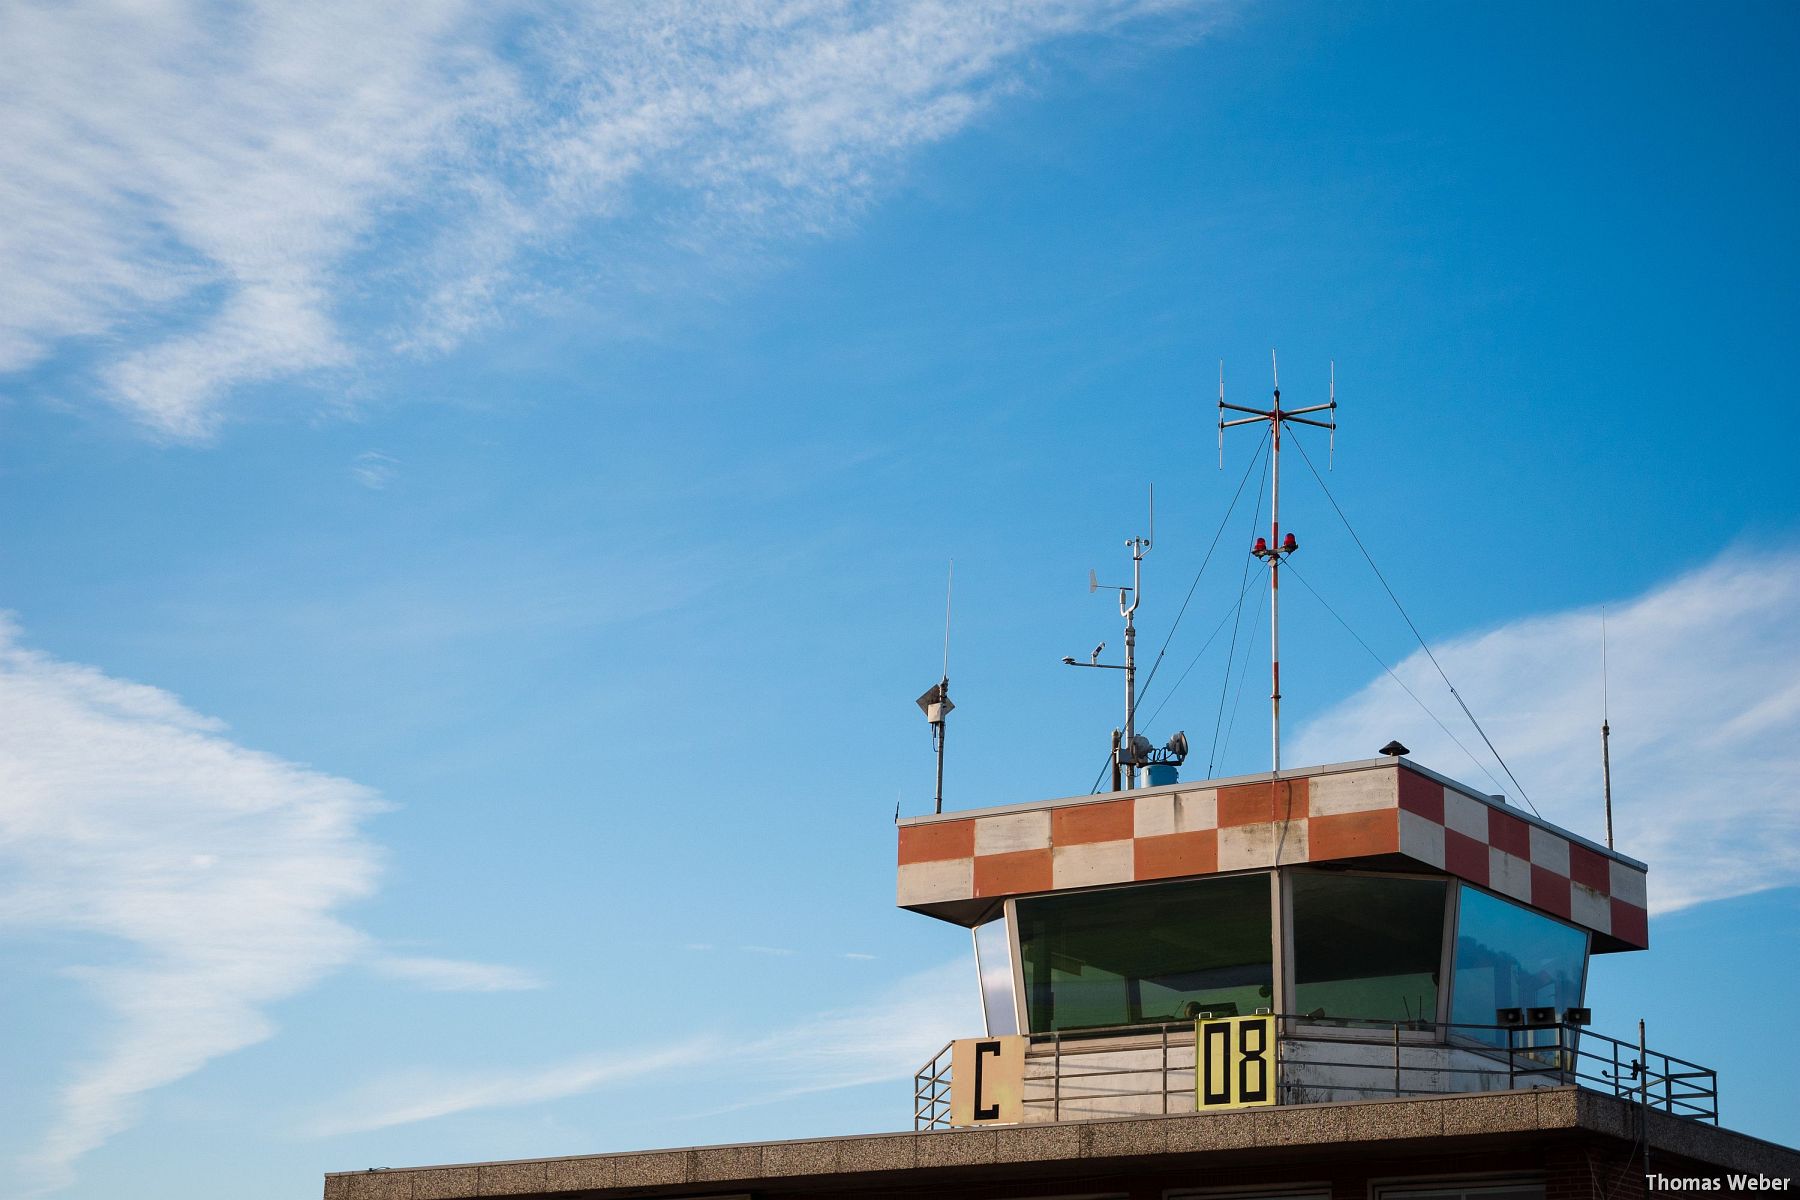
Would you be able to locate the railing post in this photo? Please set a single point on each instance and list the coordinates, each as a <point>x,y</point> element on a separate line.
<point>1281,1083</point>
<point>1162,1078</point>
<point>1396,1060</point>
<point>1056,1075</point>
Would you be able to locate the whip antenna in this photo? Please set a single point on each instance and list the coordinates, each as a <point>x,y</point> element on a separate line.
<point>949,582</point>
<point>1221,414</point>
<point>1331,453</point>
<point>935,703</point>
<point>1605,734</point>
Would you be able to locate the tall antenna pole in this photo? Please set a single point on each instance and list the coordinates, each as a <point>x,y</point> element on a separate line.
<point>1276,549</point>
<point>1138,546</point>
<point>1275,574</point>
<point>942,726</point>
<point>1606,734</point>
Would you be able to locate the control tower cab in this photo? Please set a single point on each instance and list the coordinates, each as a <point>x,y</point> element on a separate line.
<point>1361,930</point>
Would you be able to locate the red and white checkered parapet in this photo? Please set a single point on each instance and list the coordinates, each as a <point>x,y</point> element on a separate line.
<point>1380,813</point>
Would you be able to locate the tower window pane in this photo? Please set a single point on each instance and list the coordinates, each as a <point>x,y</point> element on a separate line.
<point>1142,955</point>
<point>1508,956</point>
<point>1367,946</point>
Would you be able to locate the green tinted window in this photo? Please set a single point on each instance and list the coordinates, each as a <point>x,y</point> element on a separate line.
<point>1367,946</point>
<point>1140,955</point>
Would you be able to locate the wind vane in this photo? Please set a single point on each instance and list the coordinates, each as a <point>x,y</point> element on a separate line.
<point>1275,549</point>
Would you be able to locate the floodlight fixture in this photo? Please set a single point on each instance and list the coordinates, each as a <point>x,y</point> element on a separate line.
<point>1136,751</point>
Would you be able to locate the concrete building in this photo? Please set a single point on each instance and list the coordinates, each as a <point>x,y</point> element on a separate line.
<point>1556,1144</point>
<point>1362,980</point>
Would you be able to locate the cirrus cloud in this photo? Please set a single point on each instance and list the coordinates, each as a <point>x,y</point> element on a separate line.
<point>213,196</point>
<point>219,872</point>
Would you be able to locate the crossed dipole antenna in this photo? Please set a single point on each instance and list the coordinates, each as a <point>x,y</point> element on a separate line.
<point>1275,549</point>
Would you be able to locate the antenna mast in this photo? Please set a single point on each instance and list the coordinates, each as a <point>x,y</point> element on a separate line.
<point>1275,550</point>
<point>1126,751</point>
<point>1605,734</point>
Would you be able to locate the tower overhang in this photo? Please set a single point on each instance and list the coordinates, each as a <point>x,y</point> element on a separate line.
<point>1376,814</point>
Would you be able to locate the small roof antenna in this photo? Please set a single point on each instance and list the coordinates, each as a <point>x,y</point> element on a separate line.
<point>935,703</point>
<point>1331,456</point>
<point>949,582</point>
<point>1605,733</point>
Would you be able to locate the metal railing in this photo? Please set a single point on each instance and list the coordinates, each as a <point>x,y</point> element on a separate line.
<point>931,1091</point>
<point>1323,1059</point>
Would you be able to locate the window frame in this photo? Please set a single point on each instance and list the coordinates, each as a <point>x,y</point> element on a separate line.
<point>1471,1186</point>
<point>1293,1191</point>
<point>1000,913</point>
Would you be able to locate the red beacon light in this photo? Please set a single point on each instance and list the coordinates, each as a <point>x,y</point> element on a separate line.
<point>1289,544</point>
<point>1261,547</point>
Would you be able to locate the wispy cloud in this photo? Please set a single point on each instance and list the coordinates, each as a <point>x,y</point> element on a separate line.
<point>217,869</point>
<point>405,1097</point>
<point>1705,720</point>
<point>213,191</point>
<point>374,470</point>
<point>884,1039</point>
<point>455,975</point>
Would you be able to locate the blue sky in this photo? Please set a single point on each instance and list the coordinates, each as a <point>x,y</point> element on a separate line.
<point>478,486</point>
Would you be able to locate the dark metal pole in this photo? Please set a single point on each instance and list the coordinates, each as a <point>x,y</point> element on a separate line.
<point>1644,1095</point>
<point>1396,1060</point>
<point>938,727</point>
<point>1606,775</point>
